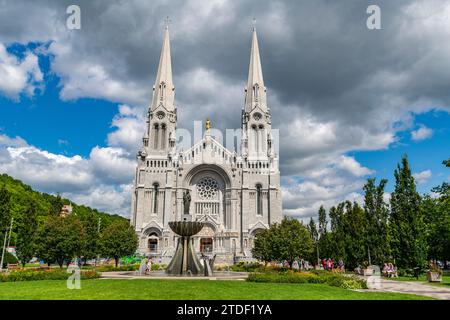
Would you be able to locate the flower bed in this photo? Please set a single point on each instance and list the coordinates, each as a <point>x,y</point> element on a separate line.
<point>332,279</point>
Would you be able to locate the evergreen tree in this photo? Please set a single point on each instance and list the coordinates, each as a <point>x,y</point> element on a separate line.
<point>406,223</point>
<point>352,233</point>
<point>324,241</point>
<point>315,237</point>
<point>25,244</point>
<point>376,218</point>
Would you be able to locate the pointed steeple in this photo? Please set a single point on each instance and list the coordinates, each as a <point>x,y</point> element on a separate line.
<point>164,90</point>
<point>255,91</point>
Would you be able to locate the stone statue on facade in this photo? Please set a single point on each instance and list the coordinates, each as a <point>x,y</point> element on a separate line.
<point>186,202</point>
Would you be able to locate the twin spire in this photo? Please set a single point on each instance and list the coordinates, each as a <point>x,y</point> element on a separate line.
<point>164,90</point>
<point>255,90</point>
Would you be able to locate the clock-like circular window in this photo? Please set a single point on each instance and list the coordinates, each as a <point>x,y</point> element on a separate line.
<point>207,188</point>
<point>160,115</point>
<point>257,116</point>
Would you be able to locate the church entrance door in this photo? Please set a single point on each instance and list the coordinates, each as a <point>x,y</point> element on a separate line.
<point>206,245</point>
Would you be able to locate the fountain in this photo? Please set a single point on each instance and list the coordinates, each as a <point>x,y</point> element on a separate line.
<point>185,261</point>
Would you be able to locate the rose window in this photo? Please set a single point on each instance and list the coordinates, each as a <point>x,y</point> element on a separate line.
<point>207,188</point>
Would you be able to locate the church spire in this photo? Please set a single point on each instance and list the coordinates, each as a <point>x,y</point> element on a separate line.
<point>164,90</point>
<point>255,91</point>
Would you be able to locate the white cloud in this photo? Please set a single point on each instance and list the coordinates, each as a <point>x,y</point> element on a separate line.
<point>422,133</point>
<point>130,125</point>
<point>352,166</point>
<point>422,177</point>
<point>19,76</point>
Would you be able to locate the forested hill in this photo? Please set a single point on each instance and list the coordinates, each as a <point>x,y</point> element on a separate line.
<point>23,196</point>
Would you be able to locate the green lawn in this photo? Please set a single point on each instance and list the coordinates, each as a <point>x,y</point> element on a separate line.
<point>422,278</point>
<point>185,290</point>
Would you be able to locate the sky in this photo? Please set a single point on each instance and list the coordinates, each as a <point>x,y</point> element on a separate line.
<point>348,101</point>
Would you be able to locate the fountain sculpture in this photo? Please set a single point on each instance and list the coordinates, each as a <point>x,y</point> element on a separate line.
<point>185,260</point>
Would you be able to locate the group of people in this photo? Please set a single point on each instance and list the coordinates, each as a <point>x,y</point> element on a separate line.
<point>389,270</point>
<point>329,264</point>
<point>297,264</point>
<point>146,266</point>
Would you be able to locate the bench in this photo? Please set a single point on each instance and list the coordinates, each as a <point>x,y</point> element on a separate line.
<point>12,266</point>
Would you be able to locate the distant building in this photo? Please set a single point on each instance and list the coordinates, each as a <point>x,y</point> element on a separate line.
<point>66,210</point>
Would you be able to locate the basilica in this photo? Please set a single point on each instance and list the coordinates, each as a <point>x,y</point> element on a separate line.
<point>235,194</point>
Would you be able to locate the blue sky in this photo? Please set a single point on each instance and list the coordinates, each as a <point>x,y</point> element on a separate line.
<point>348,106</point>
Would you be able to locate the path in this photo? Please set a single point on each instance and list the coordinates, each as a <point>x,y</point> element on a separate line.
<point>412,287</point>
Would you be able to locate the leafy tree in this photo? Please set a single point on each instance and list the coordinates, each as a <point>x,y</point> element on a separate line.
<point>117,240</point>
<point>376,219</point>
<point>92,241</point>
<point>56,205</point>
<point>437,218</point>
<point>25,245</point>
<point>284,241</point>
<point>60,239</point>
<point>5,211</point>
<point>262,248</point>
<point>406,223</point>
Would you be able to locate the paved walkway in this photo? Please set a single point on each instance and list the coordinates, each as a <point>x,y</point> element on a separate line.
<point>411,287</point>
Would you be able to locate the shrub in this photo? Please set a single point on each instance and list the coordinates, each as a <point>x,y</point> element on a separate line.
<point>49,274</point>
<point>8,258</point>
<point>243,266</point>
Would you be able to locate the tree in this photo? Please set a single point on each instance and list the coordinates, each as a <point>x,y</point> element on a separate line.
<point>25,244</point>
<point>284,241</point>
<point>262,248</point>
<point>353,231</point>
<point>324,236</point>
<point>406,222</point>
<point>5,211</point>
<point>437,218</point>
<point>60,239</point>
<point>56,205</point>
<point>314,236</point>
<point>117,240</point>
<point>376,213</point>
<point>92,241</point>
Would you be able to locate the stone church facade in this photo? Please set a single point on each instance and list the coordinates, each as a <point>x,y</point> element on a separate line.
<point>235,195</point>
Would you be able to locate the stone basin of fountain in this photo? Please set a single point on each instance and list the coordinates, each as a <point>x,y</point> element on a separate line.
<point>185,261</point>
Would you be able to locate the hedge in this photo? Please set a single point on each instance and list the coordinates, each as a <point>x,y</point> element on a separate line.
<point>49,274</point>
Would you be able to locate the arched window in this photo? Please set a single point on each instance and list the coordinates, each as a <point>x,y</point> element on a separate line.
<point>256,92</point>
<point>163,136</point>
<point>155,136</point>
<point>155,197</point>
<point>162,86</point>
<point>258,200</point>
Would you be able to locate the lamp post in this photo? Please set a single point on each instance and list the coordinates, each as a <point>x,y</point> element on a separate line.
<point>4,243</point>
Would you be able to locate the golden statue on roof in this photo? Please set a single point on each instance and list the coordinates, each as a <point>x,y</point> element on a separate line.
<point>208,124</point>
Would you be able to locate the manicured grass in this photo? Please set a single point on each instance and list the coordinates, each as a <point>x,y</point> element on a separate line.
<point>422,278</point>
<point>185,290</point>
